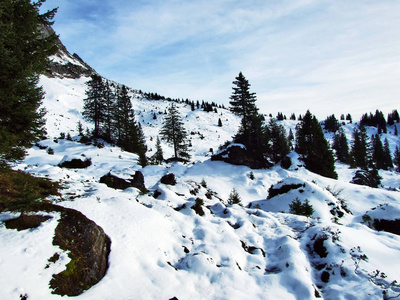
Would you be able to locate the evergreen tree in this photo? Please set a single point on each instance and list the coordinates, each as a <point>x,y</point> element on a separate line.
<point>293,117</point>
<point>313,148</point>
<point>348,118</point>
<point>377,153</point>
<point>279,145</point>
<point>360,150</point>
<point>387,155</point>
<point>23,56</point>
<point>174,133</point>
<point>396,158</point>
<point>109,106</point>
<point>219,122</point>
<point>158,156</point>
<point>341,147</point>
<point>243,101</point>
<point>332,124</point>
<point>93,109</point>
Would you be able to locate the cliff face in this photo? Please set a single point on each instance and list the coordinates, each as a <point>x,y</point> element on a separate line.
<point>63,64</point>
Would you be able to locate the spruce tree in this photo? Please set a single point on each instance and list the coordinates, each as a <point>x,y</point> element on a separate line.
<point>387,155</point>
<point>109,106</point>
<point>23,56</point>
<point>243,101</point>
<point>158,156</point>
<point>341,147</point>
<point>94,107</point>
<point>360,149</point>
<point>377,153</point>
<point>174,133</point>
<point>279,145</point>
<point>313,148</point>
<point>396,158</point>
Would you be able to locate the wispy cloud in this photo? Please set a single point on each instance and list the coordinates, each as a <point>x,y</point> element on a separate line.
<point>328,56</point>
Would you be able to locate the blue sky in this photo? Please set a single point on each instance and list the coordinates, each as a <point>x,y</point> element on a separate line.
<point>335,56</point>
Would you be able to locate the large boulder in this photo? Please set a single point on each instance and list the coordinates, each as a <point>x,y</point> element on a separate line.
<point>88,248</point>
<point>116,182</point>
<point>168,179</point>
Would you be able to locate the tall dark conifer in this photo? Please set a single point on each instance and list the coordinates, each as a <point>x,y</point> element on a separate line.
<point>360,149</point>
<point>23,56</point>
<point>341,147</point>
<point>313,148</point>
<point>279,144</point>
<point>94,107</point>
<point>174,133</point>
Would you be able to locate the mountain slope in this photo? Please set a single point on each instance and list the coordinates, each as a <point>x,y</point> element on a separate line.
<point>161,248</point>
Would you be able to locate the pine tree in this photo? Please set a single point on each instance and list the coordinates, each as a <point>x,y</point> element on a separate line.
<point>279,145</point>
<point>313,148</point>
<point>219,122</point>
<point>360,150</point>
<point>243,101</point>
<point>158,156</point>
<point>331,124</point>
<point>396,158</point>
<point>377,153</point>
<point>174,133</point>
<point>109,106</point>
<point>387,155</point>
<point>93,109</point>
<point>341,147</point>
<point>23,56</point>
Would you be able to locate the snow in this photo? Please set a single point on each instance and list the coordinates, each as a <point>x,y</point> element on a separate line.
<point>233,251</point>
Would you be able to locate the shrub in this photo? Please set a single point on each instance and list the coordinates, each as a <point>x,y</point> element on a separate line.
<point>198,207</point>
<point>234,197</point>
<point>50,151</point>
<point>297,208</point>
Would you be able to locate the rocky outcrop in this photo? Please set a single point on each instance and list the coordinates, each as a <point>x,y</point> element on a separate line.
<point>168,179</point>
<point>115,182</point>
<point>63,64</point>
<point>88,247</point>
<point>238,155</point>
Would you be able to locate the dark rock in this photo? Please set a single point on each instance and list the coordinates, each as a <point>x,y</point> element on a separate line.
<point>392,226</point>
<point>115,182</point>
<point>138,181</point>
<point>168,179</point>
<point>76,163</point>
<point>24,222</point>
<point>88,247</point>
<point>272,192</point>
<point>325,276</point>
<point>319,247</point>
<point>237,155</point>
<point>286,162</point>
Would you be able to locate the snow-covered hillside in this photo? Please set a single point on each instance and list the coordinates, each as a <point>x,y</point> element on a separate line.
<point>161,248</point>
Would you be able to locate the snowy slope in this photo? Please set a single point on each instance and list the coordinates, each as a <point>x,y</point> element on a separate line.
<point>162,249</point>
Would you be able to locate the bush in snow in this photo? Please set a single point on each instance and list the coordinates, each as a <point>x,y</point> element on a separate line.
<point>298,208</point>
<point>198,207</point>
<point>234,197</point>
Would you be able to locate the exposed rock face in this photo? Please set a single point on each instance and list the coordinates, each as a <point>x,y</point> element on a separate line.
<point>168,179</point>
<point>115,182</point>
<point>237,155</point>
<point>392,226</point>
<point>65,65</point>
<point>88,248</point>
<point>76,163</point>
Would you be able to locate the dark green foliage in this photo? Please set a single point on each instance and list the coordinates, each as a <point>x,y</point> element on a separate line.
<point>20,191</point>
<point>278,142</point>
<point>313,148</point>
<point>243,101</point>
<point>396,158</point>
<point>348,118</point>
<point>331,124</point>
<point>341,147</point>
<point>94,106</point>
<point>369,178</point>
<point>378,120</point>
<point>297,208</point>
<point>198,207</point>
<point>219,122</point>
<point>378,154</point>
<point>393,117</point>
<point>174,133</point>
<point>23,56</point>
<point>293,117</point>
<point>158,156</point>
<point>234,197</point>
<point>387,156</point>
<point>360,150</point>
